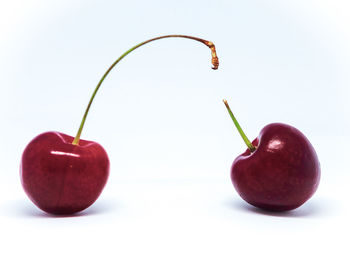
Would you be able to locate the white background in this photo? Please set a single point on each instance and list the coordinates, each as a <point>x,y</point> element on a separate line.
<point>170,140</point>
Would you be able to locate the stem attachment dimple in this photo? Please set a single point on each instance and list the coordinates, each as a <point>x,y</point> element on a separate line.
<point>214,61</point>
<point>244,137</point>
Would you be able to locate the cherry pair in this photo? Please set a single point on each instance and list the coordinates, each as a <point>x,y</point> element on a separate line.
<point>63,175</point>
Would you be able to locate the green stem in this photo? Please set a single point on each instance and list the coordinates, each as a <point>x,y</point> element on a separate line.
<point>215,62</point>
<point>244,137</point>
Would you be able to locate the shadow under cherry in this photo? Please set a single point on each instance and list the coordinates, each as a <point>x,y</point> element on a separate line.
<point>21,208</point>
<point>317,207</point>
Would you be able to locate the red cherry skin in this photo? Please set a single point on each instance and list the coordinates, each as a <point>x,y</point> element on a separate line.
<point>62,178</point>
<point>281,174</point>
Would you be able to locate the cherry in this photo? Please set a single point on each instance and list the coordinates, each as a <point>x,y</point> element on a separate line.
<point>60,177</point>
<point>279,171</point>
<point>63,174</point>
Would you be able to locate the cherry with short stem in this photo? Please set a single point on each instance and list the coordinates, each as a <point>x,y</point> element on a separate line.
<point>214,61</point>
<point>244,137</point>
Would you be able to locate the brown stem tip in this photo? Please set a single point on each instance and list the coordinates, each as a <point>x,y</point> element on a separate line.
<point>214,57</point>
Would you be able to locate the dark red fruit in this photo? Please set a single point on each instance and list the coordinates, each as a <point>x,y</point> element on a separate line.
<point>281,174</point>
<point>62,178</point>
<point>279,171</point>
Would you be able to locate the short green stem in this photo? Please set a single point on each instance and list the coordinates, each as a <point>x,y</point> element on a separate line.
<point>214,61</point>
<point>244,137</point>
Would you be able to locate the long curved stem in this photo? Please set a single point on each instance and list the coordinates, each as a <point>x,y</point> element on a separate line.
<point>214,61</point>
<point>244,137</point>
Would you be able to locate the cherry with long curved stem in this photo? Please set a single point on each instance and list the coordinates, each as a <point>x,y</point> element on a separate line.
<point>64,175</point>
<point>215,63</point>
